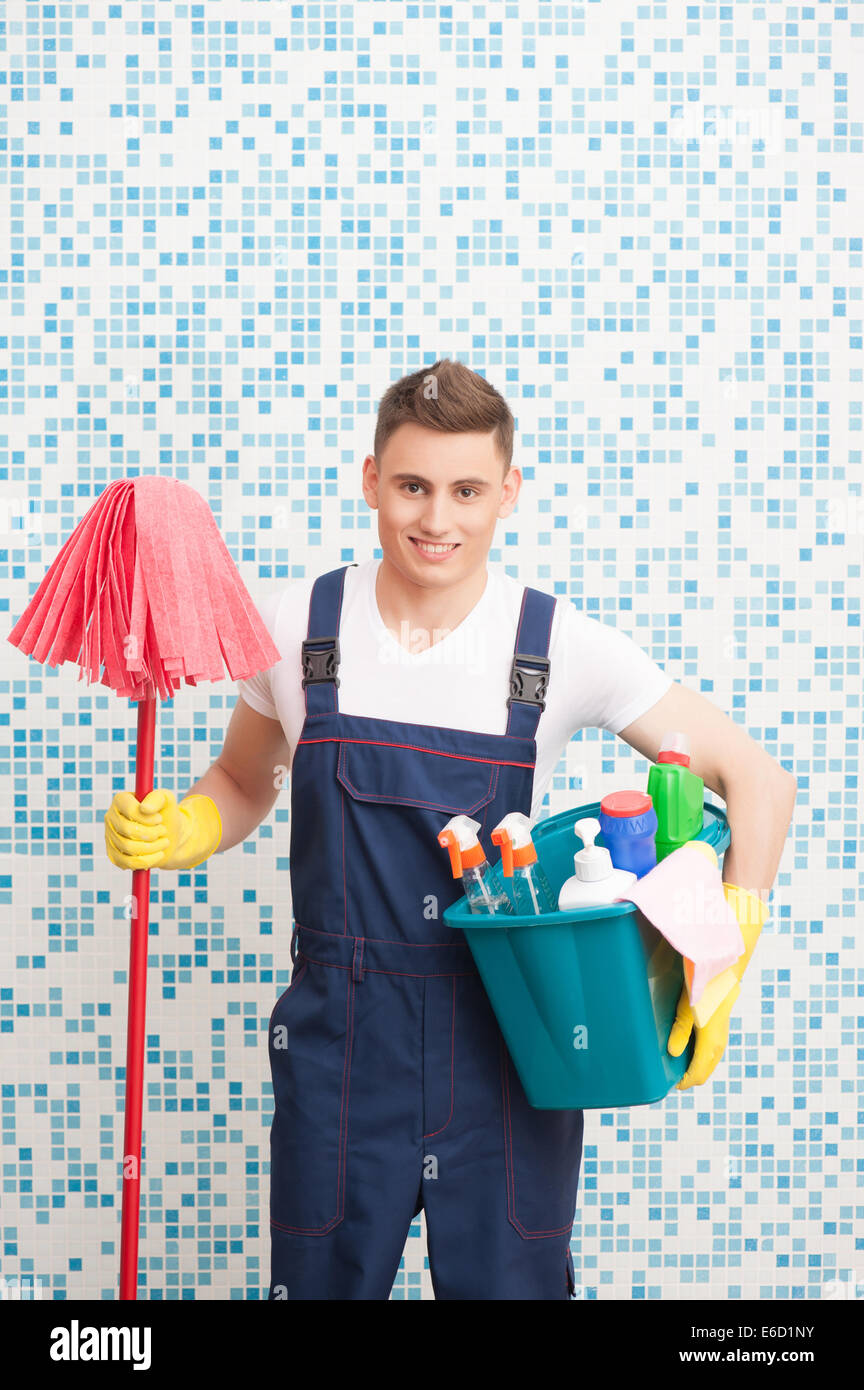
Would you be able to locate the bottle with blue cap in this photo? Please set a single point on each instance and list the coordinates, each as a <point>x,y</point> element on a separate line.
<point>523,874</point>
<point>629,824</point>
<point>595,879</point>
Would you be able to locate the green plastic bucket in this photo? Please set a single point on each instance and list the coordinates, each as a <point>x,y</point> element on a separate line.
<point>585,999</point>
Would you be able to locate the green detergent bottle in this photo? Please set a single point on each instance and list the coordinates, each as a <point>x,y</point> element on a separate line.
<point>677,795</point>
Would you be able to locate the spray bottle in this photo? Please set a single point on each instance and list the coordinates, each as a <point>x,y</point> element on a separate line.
<point>468,862</point>
<point>677,795</point>
<point>524,878</point>
<point>595,879</point>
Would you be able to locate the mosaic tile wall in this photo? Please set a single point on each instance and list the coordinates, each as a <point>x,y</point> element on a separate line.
<point>226,227</point>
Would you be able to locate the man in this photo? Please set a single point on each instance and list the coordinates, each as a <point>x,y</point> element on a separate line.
<point>410,689</point>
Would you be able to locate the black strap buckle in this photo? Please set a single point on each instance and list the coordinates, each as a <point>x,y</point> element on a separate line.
<point>529,686</point>
<point>320,666</point>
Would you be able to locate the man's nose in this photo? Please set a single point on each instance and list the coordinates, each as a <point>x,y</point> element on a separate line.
<point>436,519</point>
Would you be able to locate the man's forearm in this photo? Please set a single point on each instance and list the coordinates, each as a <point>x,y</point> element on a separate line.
<point>759,805</point>
<point>239,815</point>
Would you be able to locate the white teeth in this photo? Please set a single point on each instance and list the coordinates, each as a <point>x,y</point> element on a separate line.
<point>434,549</point>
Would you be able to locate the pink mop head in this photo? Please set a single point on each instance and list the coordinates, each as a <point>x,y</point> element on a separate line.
<point>155,611</point>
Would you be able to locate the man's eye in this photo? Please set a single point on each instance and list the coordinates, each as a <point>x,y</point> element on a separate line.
<point>462,490</point>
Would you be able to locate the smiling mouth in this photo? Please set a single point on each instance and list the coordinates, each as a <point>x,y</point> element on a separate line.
<point>434,547</point>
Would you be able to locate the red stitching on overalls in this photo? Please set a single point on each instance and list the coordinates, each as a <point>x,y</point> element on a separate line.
<point>490,798</point>
<point>342,774</point>
<point>343,1130</point>
<point>387,941</point>
<point>346,1091</point>
<point>384,940</point>
<point>408,974</point>
<point>344,874</point>
<point>296,976</point>
<point>510,1167</point>
<point>452,1066</point>
<point>497,764</point>
<point>358,969</point>
<point>438,753</point>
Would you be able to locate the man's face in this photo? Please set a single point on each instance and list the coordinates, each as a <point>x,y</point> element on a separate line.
<point>433,489</point>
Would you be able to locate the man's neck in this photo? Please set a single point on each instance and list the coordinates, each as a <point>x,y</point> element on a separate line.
<point>419,617</point>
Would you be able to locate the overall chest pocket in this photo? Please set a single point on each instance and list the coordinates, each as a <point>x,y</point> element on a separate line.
<point>405,775</point>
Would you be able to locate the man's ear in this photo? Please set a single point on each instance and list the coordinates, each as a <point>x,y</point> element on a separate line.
<point>510,492</point>
<point>370,481</point>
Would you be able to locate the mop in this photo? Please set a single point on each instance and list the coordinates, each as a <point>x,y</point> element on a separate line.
<point>145,591</point>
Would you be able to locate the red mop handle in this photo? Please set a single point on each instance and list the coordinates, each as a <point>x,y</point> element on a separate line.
<point>135,1021</point>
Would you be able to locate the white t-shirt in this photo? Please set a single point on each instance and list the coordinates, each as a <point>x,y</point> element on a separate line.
<point>598,677</point>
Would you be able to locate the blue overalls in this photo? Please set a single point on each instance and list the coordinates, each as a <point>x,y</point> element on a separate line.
<point>393,1086</point>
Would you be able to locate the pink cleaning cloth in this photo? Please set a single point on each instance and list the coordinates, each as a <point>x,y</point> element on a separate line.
<point>683,897</point>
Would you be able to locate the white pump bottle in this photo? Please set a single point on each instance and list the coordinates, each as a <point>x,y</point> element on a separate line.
<point>595,880</point>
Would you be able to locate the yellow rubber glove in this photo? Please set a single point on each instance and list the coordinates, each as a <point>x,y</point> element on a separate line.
<point>156,833</point>
<point>711,1039</point>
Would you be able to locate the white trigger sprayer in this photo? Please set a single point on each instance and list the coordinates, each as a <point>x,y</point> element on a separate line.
<point>528,883</point>
<point>468,862</point>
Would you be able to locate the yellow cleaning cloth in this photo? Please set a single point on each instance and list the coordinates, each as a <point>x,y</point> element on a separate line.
<point>716,990</point>
<point>684,898</point>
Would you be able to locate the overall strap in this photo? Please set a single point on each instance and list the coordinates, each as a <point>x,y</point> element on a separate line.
<point>529,673</point>
<point>319,653</point>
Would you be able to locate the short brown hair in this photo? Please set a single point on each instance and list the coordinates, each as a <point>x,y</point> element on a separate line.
<point>449,397</point>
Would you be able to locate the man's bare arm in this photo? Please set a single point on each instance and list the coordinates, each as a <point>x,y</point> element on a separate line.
<point>759,792</point>
<point>248,774</point>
